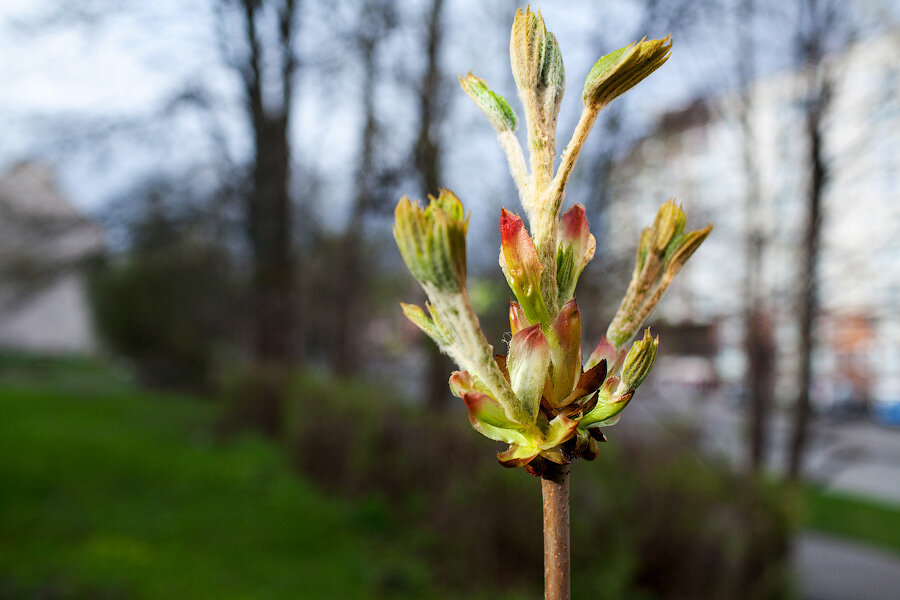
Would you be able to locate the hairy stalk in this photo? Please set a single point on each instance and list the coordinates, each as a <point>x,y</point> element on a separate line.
<point>541,146</point>
<point>472,351</point>
<point>517,167</point>
<point>546,220</point>
<point>555,493</point>
<point>570,157</point>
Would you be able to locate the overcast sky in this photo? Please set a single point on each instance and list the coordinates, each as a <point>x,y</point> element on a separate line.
<point>65,75</point>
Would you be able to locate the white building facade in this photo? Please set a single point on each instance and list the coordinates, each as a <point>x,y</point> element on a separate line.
<point>45,244</point>
<point>696,155</point>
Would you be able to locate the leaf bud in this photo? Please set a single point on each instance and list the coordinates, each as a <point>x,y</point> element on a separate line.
<point>432,240</point>
<point>619,71</point>
<point>681,249</point>
<point>639,361</point>
<point>552,83</point>
<point>669,224</point>
<point>493,105</point>
<point>528,362</point>
<point>527,48</point>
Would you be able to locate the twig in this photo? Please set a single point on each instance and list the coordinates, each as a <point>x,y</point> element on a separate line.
<point>555,491</point>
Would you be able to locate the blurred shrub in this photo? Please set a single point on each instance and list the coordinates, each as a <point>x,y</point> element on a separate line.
<point>650,519</point>
<point>677,525</point>
<point>169,297</point>
<point>168,309</point>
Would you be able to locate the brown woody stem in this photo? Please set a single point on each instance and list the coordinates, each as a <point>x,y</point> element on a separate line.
<point>555,492</point>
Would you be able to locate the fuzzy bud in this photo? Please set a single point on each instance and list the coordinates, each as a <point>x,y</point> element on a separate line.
<point>527,48</point>
<point>669,224</point>
<point>639,361</point>
<point>493,105</point>
<point>679,251</point>
<point>432,240</point>
<point>619,71</point>
<point>552,82</point>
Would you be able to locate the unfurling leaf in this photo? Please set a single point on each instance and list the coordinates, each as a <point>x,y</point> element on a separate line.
<point>486,415</point>
<point>669,224</point>
<point>611,400</point>
<point>663,249</point>
<point>429,324</point>
<point>679,251</point>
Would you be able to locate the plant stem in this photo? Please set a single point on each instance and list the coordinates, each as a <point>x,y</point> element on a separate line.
<point>555,492</point>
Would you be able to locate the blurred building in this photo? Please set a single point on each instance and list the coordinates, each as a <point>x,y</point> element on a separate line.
<point>696,155</point>
<point>44,245</point>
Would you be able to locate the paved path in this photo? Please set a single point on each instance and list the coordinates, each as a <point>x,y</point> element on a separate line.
<point>832,569</point>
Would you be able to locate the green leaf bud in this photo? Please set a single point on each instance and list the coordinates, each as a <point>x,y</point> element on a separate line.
<point>680,250</point>
<point>669,224</point>
<point>621,70</point>
<point>495,106</point>
<point>639,361</point>
<point>552,83</point>
<point>432,241</point>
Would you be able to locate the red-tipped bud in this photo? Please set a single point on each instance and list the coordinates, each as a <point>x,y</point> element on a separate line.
<point>522,267</point>
<point>576,248</point>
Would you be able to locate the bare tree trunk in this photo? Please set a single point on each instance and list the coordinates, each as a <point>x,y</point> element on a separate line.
<point>822,23</point>
<point>758,343</point>
<point>353,278</point>
<point>268,209</point>
<point>760,349</point>
<point>428,164</point>
<point>809,300</point>
<point>557,560</point>
<point>270,226</point>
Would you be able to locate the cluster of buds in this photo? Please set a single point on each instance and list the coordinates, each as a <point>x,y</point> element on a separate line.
<point>541,398</point>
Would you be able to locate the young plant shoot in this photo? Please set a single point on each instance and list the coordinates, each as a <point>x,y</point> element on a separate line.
<point>543,399</point>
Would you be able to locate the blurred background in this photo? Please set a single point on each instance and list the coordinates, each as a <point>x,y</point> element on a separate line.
<point>207,388</point>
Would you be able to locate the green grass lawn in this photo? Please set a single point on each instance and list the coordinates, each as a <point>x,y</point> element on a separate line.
<point>120,494</point>
<point>108,492</point>
<point>853,518</point>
